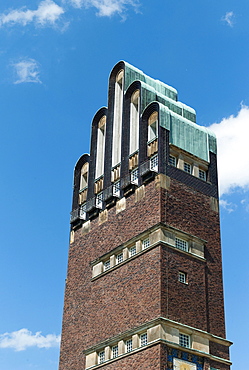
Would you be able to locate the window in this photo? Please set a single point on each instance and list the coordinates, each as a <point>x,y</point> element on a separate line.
<point>134,121</point>
<point>153,126</point>
<point>172,160</point>
<point>115,351</point>
<point>182,277</point>
<point>134,176</point>
<point>184,340</point>
<point>145,243</point>
<point>132,251</point>
<point>84,176</point>
<point>202,174</point>
<point>100,156</point>
<point>143,339</point>
<point>187,167</point>
<point>128,345</point>
<point>116,189</point>
<point>117,118</point>
<point>107,265</point>
<point>83,211</point>
<point>154,163</point>
<point>99,200</point>
<point>119,258</point>
<point>101,357</point>
<point>182,244</point>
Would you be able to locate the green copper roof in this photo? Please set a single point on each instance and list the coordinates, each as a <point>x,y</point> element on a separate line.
<point>132,74</point>
<point>197,140</point>
<point>175,116</point>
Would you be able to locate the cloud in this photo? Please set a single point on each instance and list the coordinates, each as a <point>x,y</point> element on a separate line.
<point>228,18</point>
<point>105,8</point>
<point>229,207</point>
<point>27,70</point>
<point>233,151</point>
<point>47,13</point>
<point>22,339</point>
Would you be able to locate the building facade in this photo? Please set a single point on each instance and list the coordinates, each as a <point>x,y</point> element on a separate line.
<point>144,286</point>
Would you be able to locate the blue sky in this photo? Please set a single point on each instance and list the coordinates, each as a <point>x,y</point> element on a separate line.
<point>55,59</point>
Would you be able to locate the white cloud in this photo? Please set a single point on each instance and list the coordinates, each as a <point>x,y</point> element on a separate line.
<point>47,13</point>
<point>23,338</point>
<point>229,18</point>
<point>233,151</point>
<point>27,70</point>
<point>106,7</point>
<point>229,207</point>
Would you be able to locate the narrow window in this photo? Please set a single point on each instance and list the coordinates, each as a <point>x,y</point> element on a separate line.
<point>202,174</point>
<point>119,258</point>
<point>116,189</point>
<point>153,126</point>
<point>134,121</point>
<point>117,119</point>
<point>134,176</point>
<point>107,265</point>
<point>187,167</point>
<point>99,200</point>
<point>145,243</point>
<point>172,160</point>
<point>184,340</point>
<point>100,157</point>
<point>84,176</point>
<point>101,357</point>
<point>154,163</point>
<point>132,251</point>
<point>143,339</point>
<point>83,211</point>
<point>182,277</point>
<point>115,351</point>
<point>129,345</point>
<point>182,244</point>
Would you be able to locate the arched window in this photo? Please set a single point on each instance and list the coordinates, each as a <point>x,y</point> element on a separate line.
<point>100,156</point>
<point>153,126</point>
<point>117,118</point>
<point>134,121</point>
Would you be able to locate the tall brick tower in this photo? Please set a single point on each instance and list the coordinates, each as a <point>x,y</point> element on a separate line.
<point>144,285</point>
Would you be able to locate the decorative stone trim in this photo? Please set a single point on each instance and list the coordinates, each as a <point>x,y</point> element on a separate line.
<point>160,330</point>
<point>157,235</point>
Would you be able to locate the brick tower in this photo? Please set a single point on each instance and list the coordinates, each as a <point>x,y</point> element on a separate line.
<point>144,286</point>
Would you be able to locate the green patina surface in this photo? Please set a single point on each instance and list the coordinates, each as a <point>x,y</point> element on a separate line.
<point>175,116</point>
